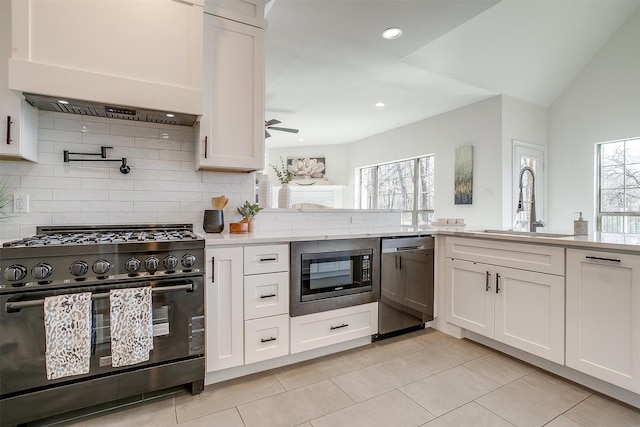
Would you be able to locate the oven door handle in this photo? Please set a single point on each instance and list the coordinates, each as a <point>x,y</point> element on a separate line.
<point>12,307</point>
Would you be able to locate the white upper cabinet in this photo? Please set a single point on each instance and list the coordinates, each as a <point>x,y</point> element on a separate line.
<point>18,119</point>
<point>135,53</point>
<point>247,11</point>
<point>231,132</point>
<point>19,127</point>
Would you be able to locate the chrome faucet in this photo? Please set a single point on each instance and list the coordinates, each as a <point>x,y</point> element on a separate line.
<point>533,224</point>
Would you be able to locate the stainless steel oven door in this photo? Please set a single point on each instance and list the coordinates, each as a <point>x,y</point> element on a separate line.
<point>178,329</point>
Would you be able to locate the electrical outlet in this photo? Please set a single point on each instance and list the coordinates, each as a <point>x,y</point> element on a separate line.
<point>21,203</point>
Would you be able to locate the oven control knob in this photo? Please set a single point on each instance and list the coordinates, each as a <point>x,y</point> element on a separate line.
<point>170,262</point>
<point>78,268</point>
<point>101,266</point>
<point>151,263</point>
<point>132,265</point>
<point>15,272</point>
<point>188,260</point>
<point>41,271</point>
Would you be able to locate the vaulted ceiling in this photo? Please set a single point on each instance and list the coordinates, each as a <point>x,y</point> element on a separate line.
<point>327,64</point>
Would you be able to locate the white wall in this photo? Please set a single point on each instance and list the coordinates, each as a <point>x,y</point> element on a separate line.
<point>601,104</point>
<point>478,125</point>
<point>163,186</point>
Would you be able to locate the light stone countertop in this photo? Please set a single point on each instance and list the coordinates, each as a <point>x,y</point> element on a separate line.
<point>598,241</point>
<point>269,237</point>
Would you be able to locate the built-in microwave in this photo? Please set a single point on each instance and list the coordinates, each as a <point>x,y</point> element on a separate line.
<point>330,274</point>
<point>325,275</point>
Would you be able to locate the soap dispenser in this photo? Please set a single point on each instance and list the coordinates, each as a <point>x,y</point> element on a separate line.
<point>580,226</point>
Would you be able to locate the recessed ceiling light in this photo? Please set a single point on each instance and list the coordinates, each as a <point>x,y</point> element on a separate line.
<point>379,104</point>
<point>300,139</point>
<point>62,101</point>
<point>170,115</point>
<point>392,33</point>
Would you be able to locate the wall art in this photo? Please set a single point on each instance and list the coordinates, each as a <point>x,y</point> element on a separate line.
<point>463,184</point>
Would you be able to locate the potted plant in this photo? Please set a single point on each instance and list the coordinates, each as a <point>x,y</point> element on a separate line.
<point>248,211</point>
<point>284,176</point>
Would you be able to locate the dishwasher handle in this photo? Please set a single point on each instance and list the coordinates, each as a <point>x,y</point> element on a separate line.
<point>410,248</point>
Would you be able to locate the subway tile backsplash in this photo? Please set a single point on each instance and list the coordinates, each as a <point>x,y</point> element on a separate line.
<point>162,186</point>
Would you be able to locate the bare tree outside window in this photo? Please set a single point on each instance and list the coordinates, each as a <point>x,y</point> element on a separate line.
<point>405,185</point>
<point>619,187</point>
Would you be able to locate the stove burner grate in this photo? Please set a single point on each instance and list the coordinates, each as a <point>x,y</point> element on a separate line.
<point>100,237</point>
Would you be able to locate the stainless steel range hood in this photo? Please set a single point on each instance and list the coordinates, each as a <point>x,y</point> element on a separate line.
<point>95,109</point>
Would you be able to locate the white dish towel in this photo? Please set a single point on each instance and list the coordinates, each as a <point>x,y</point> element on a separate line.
<point>131,325</point>
<point>67,324</point>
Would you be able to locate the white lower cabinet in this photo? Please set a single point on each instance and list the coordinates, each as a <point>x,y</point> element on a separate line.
<point>266,295</point>
<point>266,338</point>
<point>332,327</point>
<point>266,302</point>
<point>246,305</point>
<point>603,316</point>
<point>224,308</point>
<point>524,309</point>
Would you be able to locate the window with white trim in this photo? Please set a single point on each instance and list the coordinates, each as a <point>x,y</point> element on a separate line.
<point>618,189</point>
<point>407,185</point>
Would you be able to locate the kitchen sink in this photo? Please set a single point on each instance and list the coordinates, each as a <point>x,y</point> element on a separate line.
<point>527,233</point>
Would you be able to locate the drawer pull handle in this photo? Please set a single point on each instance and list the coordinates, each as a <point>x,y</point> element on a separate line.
<point>268,259</point>
<point>213,269</point>
<point>344,325</point>
<point>487,285</point>
<point>603,259</point>
<point>497,283</point>
<point>206,146</point>
<point>267,296</point>
<point>267,339</point>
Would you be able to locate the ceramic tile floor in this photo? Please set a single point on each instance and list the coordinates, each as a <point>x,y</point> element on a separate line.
<point>425,378</point>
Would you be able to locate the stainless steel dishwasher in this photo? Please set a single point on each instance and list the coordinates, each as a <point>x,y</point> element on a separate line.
<point>406,285</point>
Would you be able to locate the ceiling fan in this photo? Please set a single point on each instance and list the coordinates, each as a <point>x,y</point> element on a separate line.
<point>269,126</point>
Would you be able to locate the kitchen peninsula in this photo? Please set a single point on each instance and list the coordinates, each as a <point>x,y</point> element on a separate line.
<point>526,276</point>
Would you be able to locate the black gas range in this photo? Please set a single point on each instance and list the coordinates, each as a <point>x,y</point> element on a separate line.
<point>166,259</point>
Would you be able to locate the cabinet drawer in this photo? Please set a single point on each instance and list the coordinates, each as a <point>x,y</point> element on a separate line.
<point>266,338</point>
<point>266,295</point>
<point>540,258</point>
<point>266,259</point>
<point>332,327</point>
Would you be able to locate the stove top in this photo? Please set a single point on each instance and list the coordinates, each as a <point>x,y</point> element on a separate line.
<point>70,255</point>
<point>98,237</point>
<point>56,236</point>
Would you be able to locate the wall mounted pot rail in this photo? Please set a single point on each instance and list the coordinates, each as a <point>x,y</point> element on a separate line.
<point>124,168</point>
